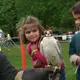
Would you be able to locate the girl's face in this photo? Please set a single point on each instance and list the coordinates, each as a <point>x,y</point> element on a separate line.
<point>32,34</point>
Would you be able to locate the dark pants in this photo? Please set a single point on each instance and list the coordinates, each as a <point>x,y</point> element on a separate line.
<point>62,75</point>
<point>78,74</point>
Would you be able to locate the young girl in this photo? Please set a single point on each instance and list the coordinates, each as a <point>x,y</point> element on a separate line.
<point>32,31</point>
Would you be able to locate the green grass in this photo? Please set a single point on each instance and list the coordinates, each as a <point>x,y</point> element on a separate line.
<point>70,70</point>
<point>14,56</point>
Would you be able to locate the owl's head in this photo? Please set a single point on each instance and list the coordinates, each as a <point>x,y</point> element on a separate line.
<point>48,33</point>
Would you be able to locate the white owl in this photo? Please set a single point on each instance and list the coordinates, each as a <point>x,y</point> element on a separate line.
<point>50,48</point>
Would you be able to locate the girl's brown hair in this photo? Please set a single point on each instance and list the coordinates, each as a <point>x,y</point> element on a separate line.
<point>30,21</point>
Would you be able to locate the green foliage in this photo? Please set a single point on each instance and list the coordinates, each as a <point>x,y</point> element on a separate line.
<point>52,13</point>
<point>8,17</point>
<point>20,23</point>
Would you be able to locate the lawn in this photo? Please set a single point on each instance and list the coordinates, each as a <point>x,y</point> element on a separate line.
<point>70,70</point>
<point>14,56</point>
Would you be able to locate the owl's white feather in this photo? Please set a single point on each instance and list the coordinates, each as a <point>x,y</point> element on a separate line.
<point>49,47</point>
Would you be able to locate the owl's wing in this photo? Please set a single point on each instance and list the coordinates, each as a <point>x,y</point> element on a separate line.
<point>59,48</point>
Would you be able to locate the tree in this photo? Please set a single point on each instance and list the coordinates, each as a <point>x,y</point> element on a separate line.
<point>8,17</point>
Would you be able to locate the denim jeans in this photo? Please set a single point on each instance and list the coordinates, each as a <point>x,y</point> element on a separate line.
<point>78,74</point>
<point>62,75</point>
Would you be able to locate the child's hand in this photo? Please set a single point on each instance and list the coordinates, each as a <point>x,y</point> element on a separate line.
<point>78,61</point>
<point>38,64</point>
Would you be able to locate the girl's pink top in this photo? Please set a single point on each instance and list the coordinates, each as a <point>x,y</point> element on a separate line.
<point>36,56</point>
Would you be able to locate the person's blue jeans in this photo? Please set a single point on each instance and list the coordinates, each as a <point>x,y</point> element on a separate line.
<point>78,74</point>
<point>62,75</point>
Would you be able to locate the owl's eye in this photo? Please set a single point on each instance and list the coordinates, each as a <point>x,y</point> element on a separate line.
<point>50,32</point>
<point>45,32</point>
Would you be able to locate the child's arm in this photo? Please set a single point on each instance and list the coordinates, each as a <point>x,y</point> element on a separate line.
<point>41,60</point>
<point>72,52</point>
<point>37,59</point>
